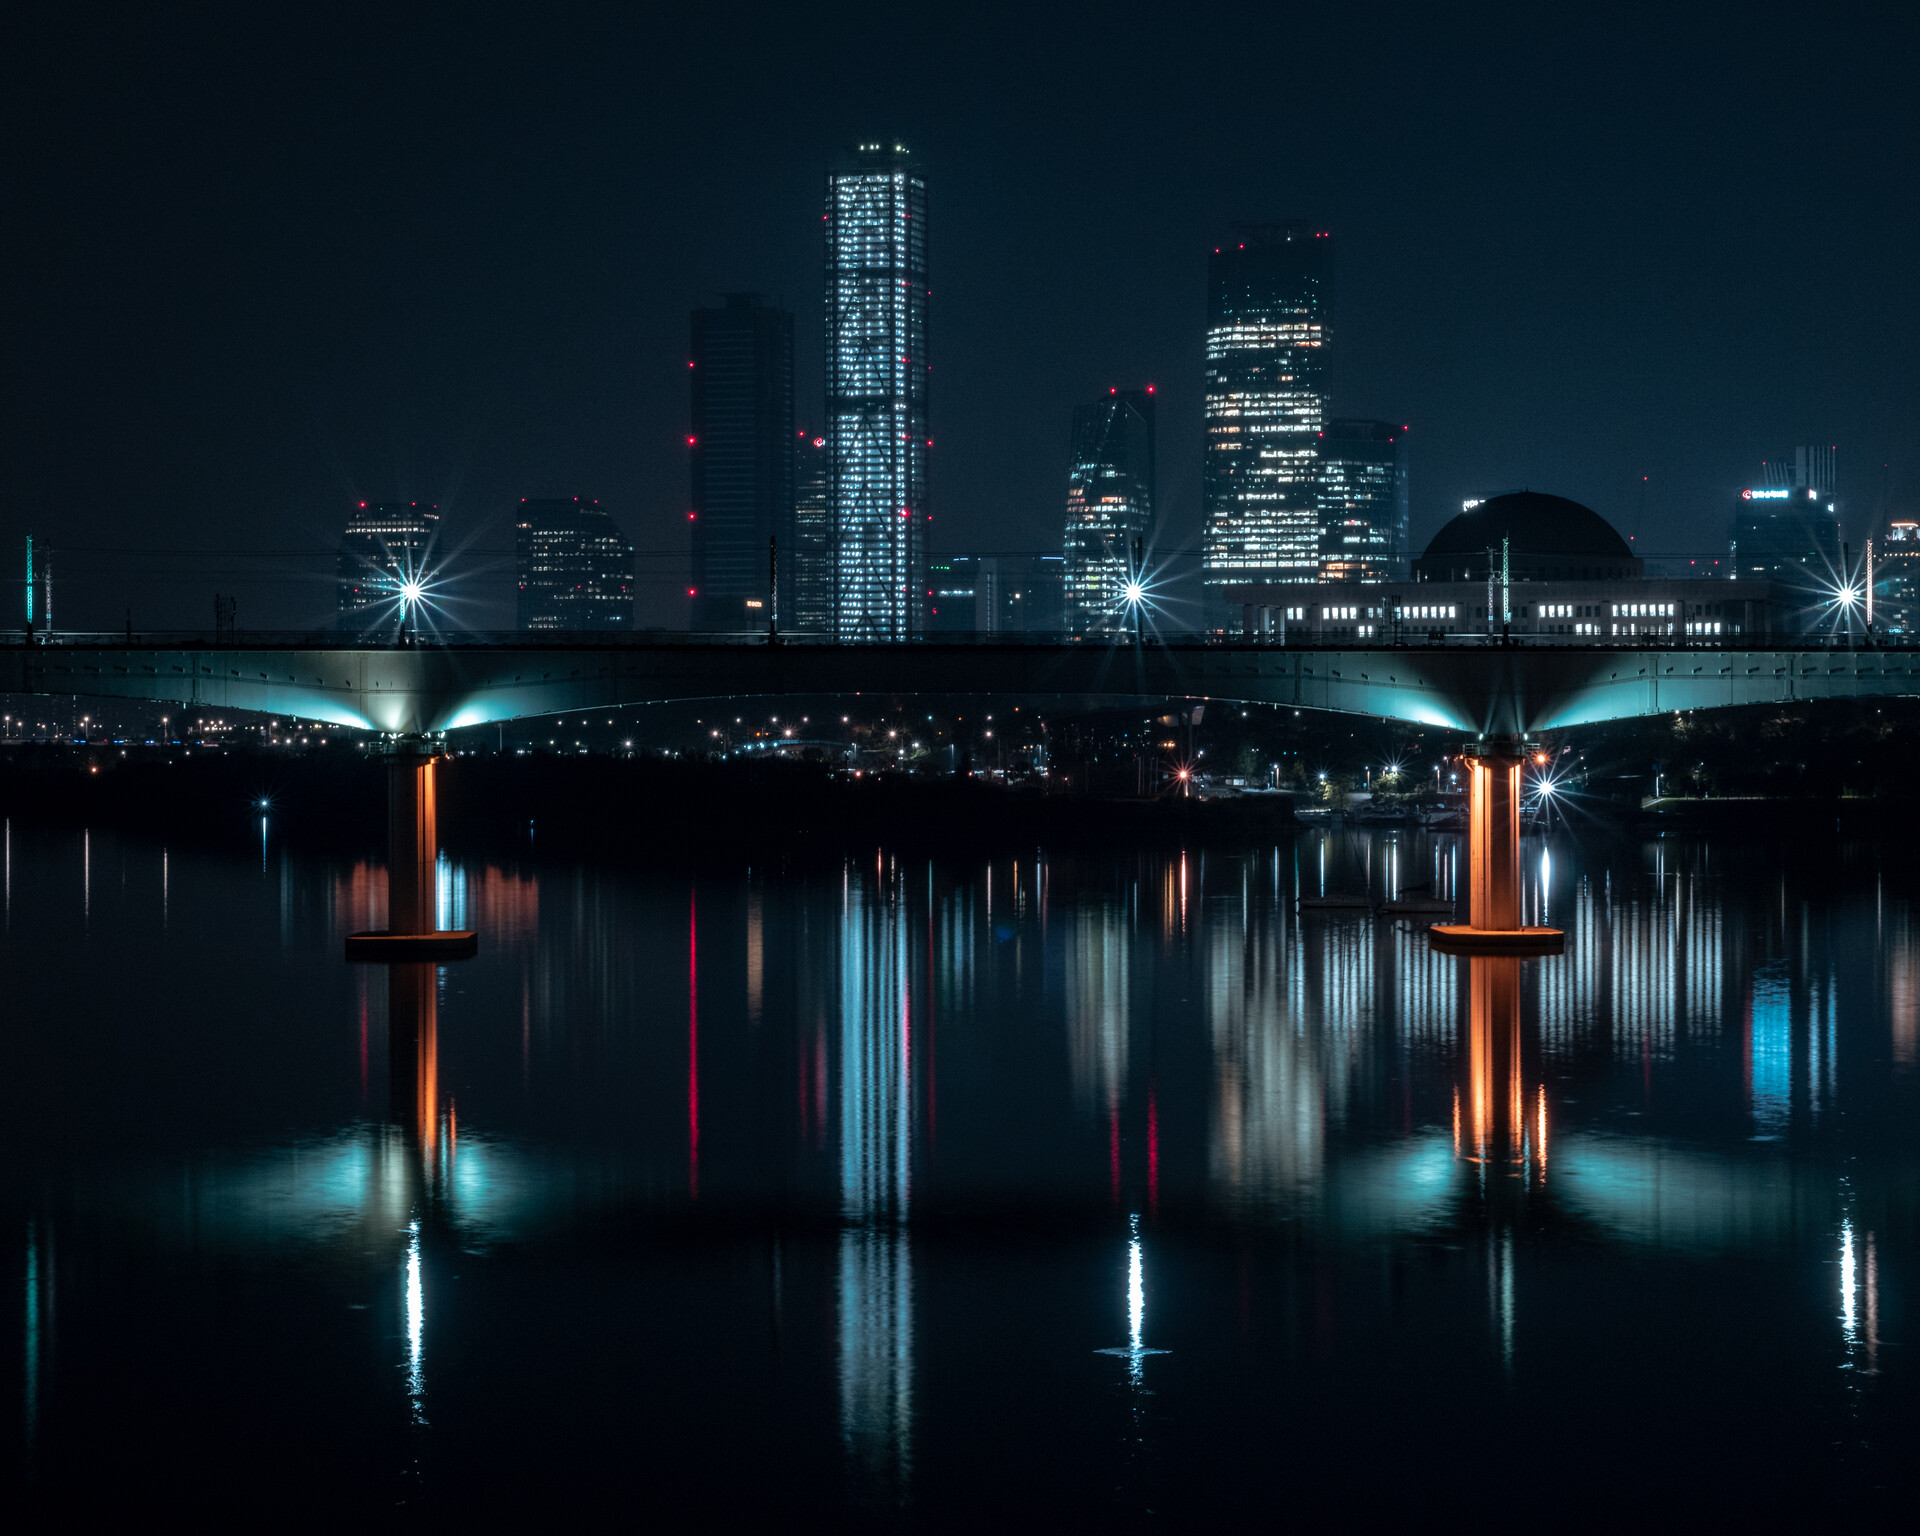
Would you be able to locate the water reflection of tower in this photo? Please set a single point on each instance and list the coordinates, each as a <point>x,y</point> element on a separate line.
<point>1269,1124</point>
<point>1099,1013</point>
<point>875,1292</point>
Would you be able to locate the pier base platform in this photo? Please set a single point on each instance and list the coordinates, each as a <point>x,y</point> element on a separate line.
<point>383,947</point>
<point>1462,939</point>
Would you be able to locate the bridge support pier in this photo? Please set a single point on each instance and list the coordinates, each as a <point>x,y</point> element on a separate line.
<point>413,852</point>
<point>1493,852</point>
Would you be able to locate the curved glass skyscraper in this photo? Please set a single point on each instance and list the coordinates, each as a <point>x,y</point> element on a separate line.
<point>1267,297</point>
<point>1109,505</point>
<point>878,430</point>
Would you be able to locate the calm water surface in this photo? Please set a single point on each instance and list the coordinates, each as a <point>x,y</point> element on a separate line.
<point>879,1191</point>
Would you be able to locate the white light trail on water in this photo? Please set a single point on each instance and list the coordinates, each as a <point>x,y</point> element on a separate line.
<point>1849,1287</point>
<point>416,1324</point>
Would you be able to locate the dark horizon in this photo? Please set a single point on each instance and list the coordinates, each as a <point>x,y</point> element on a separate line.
<point>269,266</point>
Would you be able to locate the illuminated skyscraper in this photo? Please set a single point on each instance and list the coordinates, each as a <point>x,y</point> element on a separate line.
<point>1267,296</point>
<point>742,439</point>
<point>385,543</point>
<point>878,428</point>
<point>1109,506</point>
<point>1363,502</point>
<point>812,538</point>
<point>1893,569</point>
<point>575,567</point>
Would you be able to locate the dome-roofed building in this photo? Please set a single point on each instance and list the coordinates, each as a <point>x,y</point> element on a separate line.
<point>1530,536</point>
<point>1524,565</point>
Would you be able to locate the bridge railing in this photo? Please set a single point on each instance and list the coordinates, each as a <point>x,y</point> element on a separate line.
<point>575,640</point>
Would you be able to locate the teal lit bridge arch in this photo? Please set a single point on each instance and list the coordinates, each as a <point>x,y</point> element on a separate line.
<point>435,687</point>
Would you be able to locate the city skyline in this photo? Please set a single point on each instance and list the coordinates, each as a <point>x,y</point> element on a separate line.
<point>1293,867</point>
<point>532,344</point>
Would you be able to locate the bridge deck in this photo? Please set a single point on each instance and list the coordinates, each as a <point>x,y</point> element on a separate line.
<point>1468,685</point>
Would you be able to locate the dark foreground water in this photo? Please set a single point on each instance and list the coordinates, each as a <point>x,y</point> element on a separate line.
<point>1095,1188</point>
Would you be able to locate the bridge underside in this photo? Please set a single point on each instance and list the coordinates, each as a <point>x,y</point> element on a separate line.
<point>1491,689</point>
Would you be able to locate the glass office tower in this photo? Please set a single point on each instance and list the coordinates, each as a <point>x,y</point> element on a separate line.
<point>385,544</point>
<point>574,567</point>
<point>1893,570</point>
<point>812,538</point>
<point>1363,501</point>
<point>742,443</point>
<point>1267,297</point>
<point>878,429</point>
<point>1787,531</point>
<point>1109,506</point>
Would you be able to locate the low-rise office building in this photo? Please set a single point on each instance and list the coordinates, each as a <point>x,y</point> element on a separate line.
<point>1520,564</point>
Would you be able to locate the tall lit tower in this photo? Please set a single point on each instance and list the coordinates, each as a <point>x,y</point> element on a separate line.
<point>878,428</point>
<point>1109,506</point>
<point>1267,295</point>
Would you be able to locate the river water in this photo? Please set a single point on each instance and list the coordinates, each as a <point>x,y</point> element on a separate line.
<point>875,1190</point>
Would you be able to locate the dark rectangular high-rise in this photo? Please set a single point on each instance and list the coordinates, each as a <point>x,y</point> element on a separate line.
<point>1363,501</point>
<point>879,431</point>
<point>742,445</point>
<point>574,567</point>
<point>1110,487</point>
<point>1267,299</point>
<point>812,538</point>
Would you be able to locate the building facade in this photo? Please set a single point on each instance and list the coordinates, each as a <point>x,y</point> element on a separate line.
<point>953,590</point>
<point>1787,531</point>
<point>1363,501</point>
<point>1576,612</point>
<point>1267,299</point>
<point>743,462</point>
<point>1893,578</point>
<point>1014,594</point>
<point>1520,564</point>
<point>1110,489</point>
<point>879,428</point>
<point>812,538</point>
<point>386,544</point>
<point>574,567</point>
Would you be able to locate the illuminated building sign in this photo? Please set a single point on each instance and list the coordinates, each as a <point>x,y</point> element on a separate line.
<point>1771,494</point>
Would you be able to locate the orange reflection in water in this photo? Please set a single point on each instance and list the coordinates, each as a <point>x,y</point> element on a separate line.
<point>413,1046</point>
<point>1496,1094</point>
<point>360,899</point>
<point>501,905</point>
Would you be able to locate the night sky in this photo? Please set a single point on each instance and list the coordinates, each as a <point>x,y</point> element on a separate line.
<point>265,262</point>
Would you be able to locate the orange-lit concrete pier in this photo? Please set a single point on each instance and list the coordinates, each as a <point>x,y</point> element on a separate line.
<point>413,851</point>
<point>1493,845</point>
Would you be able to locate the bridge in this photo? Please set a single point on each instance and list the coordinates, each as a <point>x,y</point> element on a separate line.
<point>1497,692</point>
<point>1473,685</point>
